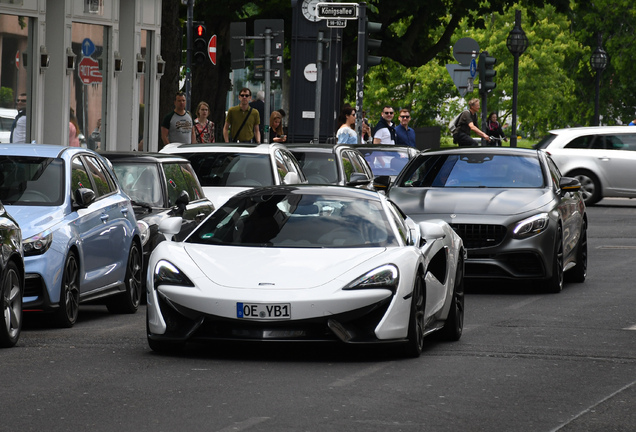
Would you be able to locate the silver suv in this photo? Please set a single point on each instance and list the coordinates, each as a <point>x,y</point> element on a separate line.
<point>602,158</point>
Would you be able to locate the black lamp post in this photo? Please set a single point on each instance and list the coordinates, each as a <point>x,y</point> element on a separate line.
<point>598,61</point>
<point>517,43</point>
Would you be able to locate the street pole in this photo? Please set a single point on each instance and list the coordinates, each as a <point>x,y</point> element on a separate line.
<point>362,35</point>
<point>268,83</point>
<point>515,83</point>
<point>319,61</point>
<point>188,77</point>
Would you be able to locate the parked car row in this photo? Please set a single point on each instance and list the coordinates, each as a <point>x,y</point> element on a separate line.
<point>289,253</point>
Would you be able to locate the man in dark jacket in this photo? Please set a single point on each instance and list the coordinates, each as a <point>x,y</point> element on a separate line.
<point>384,131</point>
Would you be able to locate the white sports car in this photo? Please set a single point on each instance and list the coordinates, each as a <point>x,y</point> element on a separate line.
<point>307,263</point>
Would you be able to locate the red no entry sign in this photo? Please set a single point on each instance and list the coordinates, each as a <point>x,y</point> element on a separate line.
<point>212,49</point>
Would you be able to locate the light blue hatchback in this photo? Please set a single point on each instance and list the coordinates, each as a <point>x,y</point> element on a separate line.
<point>81,239</point>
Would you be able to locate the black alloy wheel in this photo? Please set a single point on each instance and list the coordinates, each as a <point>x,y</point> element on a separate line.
<point>11,302</point>
<point>415,339</point>
<point>128,301</point>
<point>454,325</point>
<point>578,273</point>
<point>66,314</point>
<point>554,284</point>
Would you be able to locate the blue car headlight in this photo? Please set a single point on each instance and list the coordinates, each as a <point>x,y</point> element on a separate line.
<point>531,226</point>
<point>166,273</point>
<point>38,244</point>
<point>386,276</point>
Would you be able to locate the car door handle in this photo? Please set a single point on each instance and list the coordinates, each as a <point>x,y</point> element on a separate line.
<point>104,217</point>
<point>124,211</point>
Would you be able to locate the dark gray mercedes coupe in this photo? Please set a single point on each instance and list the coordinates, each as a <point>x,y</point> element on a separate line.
<point>518,217</point>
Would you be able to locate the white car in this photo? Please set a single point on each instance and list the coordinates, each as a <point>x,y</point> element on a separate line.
<point>602,158</point>
<point>307,263</point>
<point>227,169</point>
<point>7,116</point>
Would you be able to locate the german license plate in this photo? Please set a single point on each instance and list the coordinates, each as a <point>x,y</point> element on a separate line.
<point>263,311</point>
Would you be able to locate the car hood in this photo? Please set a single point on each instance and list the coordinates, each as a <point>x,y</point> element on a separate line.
<point>470,201</point>
<point>35,219</point>
<point>251,267</point>
<point>219,195</point>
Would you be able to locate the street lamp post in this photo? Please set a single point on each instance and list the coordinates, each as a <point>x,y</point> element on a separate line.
<point>517,43</point>
<point>598,61</point>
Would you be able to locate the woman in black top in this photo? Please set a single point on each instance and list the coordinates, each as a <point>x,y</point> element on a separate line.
<point>493,128</point>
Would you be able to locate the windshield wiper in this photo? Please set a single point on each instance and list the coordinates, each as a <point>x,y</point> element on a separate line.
<point>141,204</point>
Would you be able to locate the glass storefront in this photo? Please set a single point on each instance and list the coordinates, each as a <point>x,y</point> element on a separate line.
<point>14,79</point>
<point>87,97</point>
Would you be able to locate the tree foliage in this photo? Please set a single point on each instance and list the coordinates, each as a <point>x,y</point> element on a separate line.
<point>556,81</point>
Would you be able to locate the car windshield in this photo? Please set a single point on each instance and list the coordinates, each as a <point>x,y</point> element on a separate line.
<point>297,221</point>
<point>31,181</point>
<point>232,169</point>
<point>475,170</point>
<point>319,168</point>
<point>386,162</point>
<point>140,182</point>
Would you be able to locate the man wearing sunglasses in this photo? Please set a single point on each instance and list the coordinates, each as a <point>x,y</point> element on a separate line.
<point>18,128</point>
<point>384,132</point>
<point>405,135</point>
<point>242,121</point>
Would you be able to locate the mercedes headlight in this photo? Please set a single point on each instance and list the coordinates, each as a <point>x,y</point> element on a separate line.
<point>531,226</point>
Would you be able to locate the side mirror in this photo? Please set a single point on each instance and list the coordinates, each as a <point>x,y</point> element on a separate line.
<point>382,182</point>
<point>182,202</point>
<point>569,184</point>
<point>291,178</point>
<point>170,227</point>
<point>84,197</point>
<point>431,231</point>
<point>358,179</point>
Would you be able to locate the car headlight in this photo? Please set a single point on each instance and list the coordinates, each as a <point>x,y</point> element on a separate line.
<point>386,276</point>
<point>531,226</point>
<point>168,274</point>
<point>38,244</point>
<point>144,231</point>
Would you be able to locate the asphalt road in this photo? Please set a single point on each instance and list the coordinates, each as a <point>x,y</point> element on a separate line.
<point>527,362</point>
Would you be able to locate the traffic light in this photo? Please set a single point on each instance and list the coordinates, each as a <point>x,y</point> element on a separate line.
<point>371,44</point>
<point>200,43</point>
<point>487,72</point>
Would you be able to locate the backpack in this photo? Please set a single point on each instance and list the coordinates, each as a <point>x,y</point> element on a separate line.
<point>452,126</point>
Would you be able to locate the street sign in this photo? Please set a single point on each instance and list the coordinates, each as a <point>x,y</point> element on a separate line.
<point>465,50</point>
<point>336,23</point>
<point>473,68</point>
<point>212,49</point>
<point>347,11</point>
<point>461,77</point>
<point>88,47</point>
<point>88,71</point>
<point>17,59</point>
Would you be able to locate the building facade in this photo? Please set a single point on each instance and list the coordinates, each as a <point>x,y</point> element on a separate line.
<point>97,59</point>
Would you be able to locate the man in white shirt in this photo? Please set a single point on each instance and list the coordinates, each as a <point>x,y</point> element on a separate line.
<point>384,132</point>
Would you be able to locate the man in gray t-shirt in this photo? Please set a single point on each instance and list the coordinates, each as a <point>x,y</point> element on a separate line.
<point>177,127</point>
